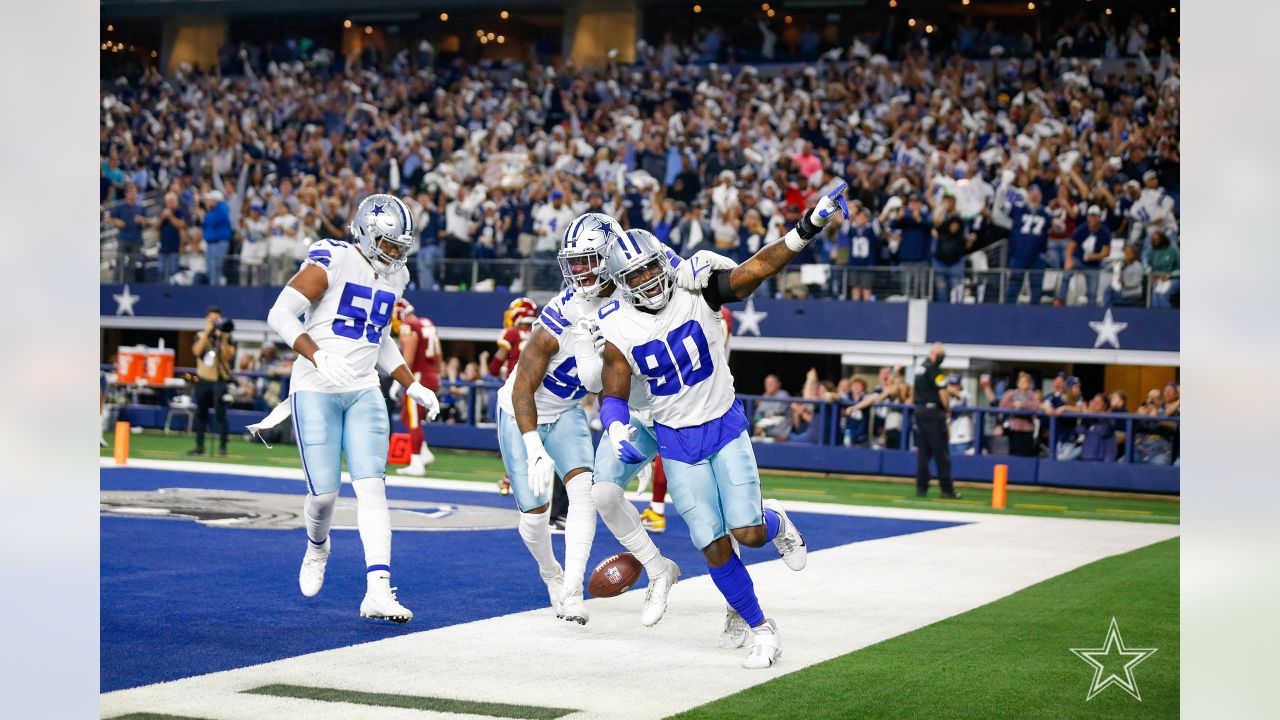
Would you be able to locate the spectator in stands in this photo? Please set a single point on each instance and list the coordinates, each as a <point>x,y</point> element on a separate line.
<point>1066,428</point>
<point>914,228</point>
<point>128,217</point>
<point>1153,445</point>
<point>1164,263</point>
<point>953,242</point>
<point>254,236</point>
<point>282,244</point>
<point>960,429</point>
<point>1099,437</point>
<point>1126,281</point>
<point>1028,243</point>
<point>217,236</point>
<point>858,414</point>
<point>772,417</point>
<point>173,228</point>
<point>861,242</point>
<point>1022,439</point>
<point>1089,247</point>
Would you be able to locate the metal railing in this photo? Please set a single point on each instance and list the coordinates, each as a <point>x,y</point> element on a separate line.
<point>831,425</point>
<point>475,403</point>
<point>530,275</point>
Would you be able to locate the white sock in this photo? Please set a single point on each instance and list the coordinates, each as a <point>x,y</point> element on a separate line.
<point>623,520</point>
<point>579,531</point>
<point>660,508</point>
<point>536,534</point>
<point>317,511</point>
<point>374,521</point>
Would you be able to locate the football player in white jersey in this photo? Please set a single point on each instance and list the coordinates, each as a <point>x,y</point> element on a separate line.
<point>669,340</point>
<point>542,430</point>
<point>347,293</point>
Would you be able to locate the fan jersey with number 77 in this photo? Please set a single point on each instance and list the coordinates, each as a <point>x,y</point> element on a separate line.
<point>352,316</point>
<point>678,354</point>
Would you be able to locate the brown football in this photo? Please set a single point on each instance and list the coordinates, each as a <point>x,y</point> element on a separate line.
<point>614,575</point>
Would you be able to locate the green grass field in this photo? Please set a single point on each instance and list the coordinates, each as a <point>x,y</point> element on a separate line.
<point>487,467</point>
<point>1008,659</point>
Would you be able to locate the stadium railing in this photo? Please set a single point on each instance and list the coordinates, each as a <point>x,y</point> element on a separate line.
<point>887,283</point>
<point>474,404</point>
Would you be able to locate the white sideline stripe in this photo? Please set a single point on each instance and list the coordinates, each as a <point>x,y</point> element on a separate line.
<point>846,599</point>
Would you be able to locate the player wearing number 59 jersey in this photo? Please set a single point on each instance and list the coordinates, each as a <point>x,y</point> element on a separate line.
<point>347,294</point>
<point>671,340</point>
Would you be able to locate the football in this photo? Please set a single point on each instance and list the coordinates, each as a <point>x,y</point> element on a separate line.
<point>614,575</point>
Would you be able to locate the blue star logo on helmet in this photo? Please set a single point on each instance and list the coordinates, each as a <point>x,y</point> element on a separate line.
<point>377,209</point>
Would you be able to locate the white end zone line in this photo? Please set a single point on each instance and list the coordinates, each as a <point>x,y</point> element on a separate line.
<point>847,598</point>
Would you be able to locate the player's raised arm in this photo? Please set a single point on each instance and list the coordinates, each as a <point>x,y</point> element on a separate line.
<point>769,261</point>
<point>307,286</point>
<point>615,416</point>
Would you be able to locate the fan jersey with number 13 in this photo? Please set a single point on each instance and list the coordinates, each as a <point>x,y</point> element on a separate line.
<point>352,316</point>
<point>678,353</point>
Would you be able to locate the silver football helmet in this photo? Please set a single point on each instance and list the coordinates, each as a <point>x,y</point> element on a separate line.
<point>582,251</point>
<point>383,229</point>
<point>639,265</point>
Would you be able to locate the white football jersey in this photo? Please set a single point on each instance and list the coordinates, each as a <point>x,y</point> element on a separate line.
<point>560,389</point>
<point>676,355</point>
<point>352,316</point>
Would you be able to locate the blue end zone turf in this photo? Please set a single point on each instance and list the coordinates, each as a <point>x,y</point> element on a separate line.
<point>181,599</point>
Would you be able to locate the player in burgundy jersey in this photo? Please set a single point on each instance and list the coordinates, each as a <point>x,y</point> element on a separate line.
<point>420,345</point>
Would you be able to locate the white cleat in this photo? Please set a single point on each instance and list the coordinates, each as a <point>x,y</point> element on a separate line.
<point>767,649</point>
<point>789,542</point>
<point>736,631</point>
<point>574,609</point>
<point>555,586</point>
<point>427,457</point>
<point>643,478</point>
<point>382,605</point>
<point>655,598</point>
<point>311,575</point>
<point>414,468</point>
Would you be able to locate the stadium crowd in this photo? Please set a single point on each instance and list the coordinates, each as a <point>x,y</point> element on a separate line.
<point>1043,161</point>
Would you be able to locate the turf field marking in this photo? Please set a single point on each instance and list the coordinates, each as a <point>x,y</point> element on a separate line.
<point>412,702</point>
<point>1034,506</point>
<point>802,491</point>
<point>153,716</point>
<point>877,496</point>
<point>1119,511</point>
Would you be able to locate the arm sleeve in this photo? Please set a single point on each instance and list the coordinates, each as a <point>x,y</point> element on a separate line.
<point>590,364</point>
<point>389,357</point>
<point>613,410</point>
<point>283,317</point>
<point>718,291</point>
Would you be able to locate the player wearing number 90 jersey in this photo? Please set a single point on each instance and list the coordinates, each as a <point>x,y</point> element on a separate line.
<point>347,294</point>
<point>671,339</point>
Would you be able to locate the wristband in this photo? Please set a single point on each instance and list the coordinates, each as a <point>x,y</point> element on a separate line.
<point>613,410</point>
<point>533,443</point>
<point>795,240</point>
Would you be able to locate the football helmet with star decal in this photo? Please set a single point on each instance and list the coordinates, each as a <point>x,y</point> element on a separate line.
<point>383,229</point>
<point>582,251</point>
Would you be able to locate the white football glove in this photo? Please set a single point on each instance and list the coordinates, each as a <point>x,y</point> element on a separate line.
<point>828,205</point>
<point>694,274</point>
<point>542,469</point>
<point>422,395</point>
<point>620,437</point>
<point>589,328</point>
<point>333,368</point>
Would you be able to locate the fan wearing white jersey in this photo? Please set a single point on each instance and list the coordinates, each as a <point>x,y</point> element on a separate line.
<point>347,294</point>
<point>670,341</point>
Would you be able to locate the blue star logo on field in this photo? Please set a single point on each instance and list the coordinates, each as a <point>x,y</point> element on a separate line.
<point>125,301</point>
<point>1113,651</point>
<point>1108,331</point>
<point>749,318</point>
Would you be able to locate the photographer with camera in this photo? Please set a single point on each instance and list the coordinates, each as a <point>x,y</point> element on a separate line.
<point>214,351</point>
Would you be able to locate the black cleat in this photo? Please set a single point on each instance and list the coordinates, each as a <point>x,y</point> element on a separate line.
<point>922,493</point>
<point>951,496</point>
<point>195,451</point>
